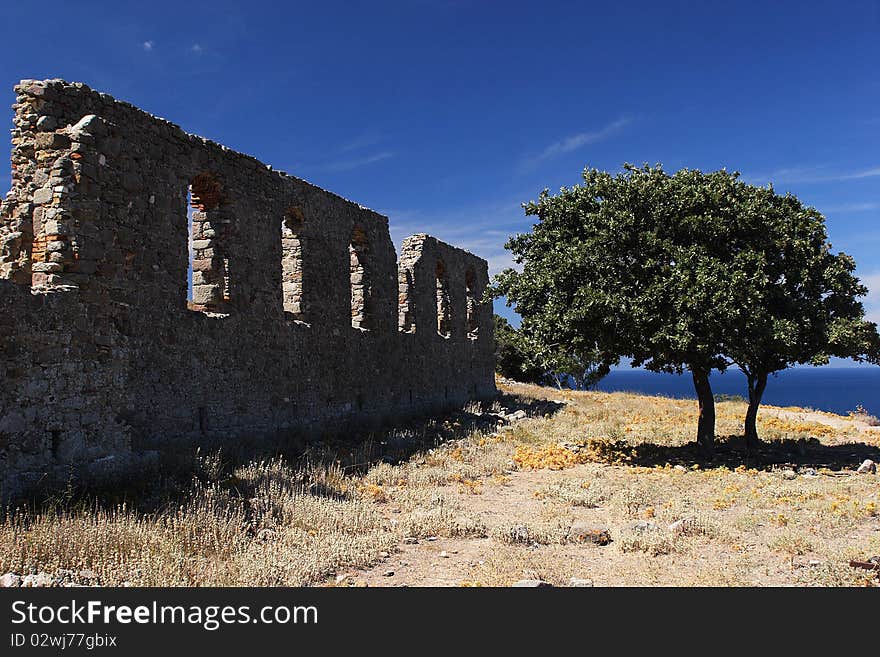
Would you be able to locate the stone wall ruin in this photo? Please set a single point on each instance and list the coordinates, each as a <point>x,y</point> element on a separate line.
<point>300,317</point>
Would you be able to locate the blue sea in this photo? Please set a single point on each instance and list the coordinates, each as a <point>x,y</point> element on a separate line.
<point>834,389</point>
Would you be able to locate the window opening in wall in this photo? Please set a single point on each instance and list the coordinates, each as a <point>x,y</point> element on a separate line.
<point>43,251</point>
<point>292,263</point>
<point>406,320</point>
<point>473,303</point>
<point>209,282</point>
<point>443,323</point>
<point>38,248</point>
<point>361,285</point>
<point>189,245</point>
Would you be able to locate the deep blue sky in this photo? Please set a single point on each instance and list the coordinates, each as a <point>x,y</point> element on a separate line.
<point>447,115</point>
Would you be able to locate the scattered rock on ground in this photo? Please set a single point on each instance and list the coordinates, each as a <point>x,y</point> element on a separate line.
<point>642,527</point>
<point>582,532</point>
<point>517,415</point>
<point>682,526</point>
<point>10,580</point>
<point>789,474</point>
<point>532,583</point>
<point>580,583</point>
<point>40,580</point>
<point>867,467</point>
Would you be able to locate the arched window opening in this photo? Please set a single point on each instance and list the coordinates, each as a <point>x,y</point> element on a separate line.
<point>292,263</point>
<point>209,283</point>
<point>406,320</point>
<point>473,304</point>
<point>189,247</point>
<point>52,249</point>
<point>443,323</point>
<point>361,285</point>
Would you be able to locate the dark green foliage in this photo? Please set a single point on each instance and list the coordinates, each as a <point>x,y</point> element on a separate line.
<point>511,358</point>
<point>690,271</point>
<point>520,358</point>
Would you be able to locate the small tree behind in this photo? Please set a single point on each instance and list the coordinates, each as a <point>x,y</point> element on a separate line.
<point>512,359</point>
<point>520,357</point>
<point>578,371</point>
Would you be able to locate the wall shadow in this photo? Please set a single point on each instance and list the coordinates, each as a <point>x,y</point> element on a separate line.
<point>168,479</point>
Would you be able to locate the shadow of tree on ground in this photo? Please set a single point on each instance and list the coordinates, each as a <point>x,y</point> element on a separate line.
<point>732,451</point>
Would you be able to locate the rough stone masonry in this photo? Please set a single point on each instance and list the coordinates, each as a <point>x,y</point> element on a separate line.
<point>299,317</point>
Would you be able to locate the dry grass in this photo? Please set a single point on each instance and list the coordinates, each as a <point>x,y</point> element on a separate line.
<point>789,513</point>
<point>224,520</point>
<point>792,512</point>
<point>275,534</point>
<point>861,414</point>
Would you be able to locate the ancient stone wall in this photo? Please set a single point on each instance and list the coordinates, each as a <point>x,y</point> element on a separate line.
<point>298,319</point>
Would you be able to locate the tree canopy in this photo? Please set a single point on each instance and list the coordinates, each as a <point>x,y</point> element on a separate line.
<point>795,301</point>
<point>689,271</point>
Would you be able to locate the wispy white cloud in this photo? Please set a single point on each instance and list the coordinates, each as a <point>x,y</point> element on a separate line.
<point>575,142</point>
<point>481,228</point>
<point>196,48</point>
<point>362,141</point>
<point>851,207</point>
<point>354,163</point>
<point>811,174</point>
<point>147,45</point>
<point>868,173</point>
<point>350,155</point>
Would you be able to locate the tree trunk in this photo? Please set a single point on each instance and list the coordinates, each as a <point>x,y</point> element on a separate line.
<point>706,422</point>
<point>757,384</point>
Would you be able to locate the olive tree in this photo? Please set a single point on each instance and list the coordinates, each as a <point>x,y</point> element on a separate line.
<point>667,271</point>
